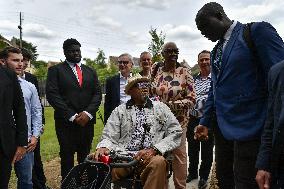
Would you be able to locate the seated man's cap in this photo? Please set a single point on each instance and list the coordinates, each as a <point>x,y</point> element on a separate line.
<point>133,80</point>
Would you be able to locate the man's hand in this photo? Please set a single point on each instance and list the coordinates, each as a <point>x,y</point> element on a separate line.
<point>145,154</point>
<point>82,119</point>
<point>20,152</point>
<point>263,179</point>
<point>32,144</point>
<point>99,152</point>
<point>200,132</point>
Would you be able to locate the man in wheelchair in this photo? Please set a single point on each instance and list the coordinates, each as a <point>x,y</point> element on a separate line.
<point>144,128</point>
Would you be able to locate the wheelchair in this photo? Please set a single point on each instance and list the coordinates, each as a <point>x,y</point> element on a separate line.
<point>97,175</point>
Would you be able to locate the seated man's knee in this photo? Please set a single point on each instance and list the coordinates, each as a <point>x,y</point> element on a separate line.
<point>119,173</point>
<point>159,161</point>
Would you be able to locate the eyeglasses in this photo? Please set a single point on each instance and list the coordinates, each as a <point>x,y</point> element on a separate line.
<point>143,85</point>
<point>171,51</point>
<point>123,62</point>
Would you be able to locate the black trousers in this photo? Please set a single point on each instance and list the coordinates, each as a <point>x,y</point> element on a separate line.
<point>73,138</point>
<point>245,154</point>
<point>193,152</point>
<point>39,178</point>
<point>224,158</point>
<point>5,169</point>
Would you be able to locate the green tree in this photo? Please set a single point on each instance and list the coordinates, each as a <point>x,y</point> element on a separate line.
<point>28,46</point>
<point>156,44</point>
<point>195,70</point>
<point>40,69</point>
<point>101,57</point>
<point>103,70</point>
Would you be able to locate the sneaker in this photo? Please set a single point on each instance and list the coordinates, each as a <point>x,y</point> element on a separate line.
<point>202,184</point>
<point>189,178</point>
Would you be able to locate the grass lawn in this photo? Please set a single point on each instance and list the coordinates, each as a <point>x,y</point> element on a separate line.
<point>49,143</point>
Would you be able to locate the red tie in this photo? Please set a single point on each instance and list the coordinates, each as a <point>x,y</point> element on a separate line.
<point>79,74</point>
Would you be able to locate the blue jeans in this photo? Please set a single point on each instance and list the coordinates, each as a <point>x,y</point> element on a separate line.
<point>23,170</point>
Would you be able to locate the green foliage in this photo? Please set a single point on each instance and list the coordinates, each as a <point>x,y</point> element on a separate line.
<point>28,46</point>
<point>135,70</point>
<point>103,70</point>
<point>101,58</point>
<point>2,45</point>
<point>156,44</point>
<point>40,69</point>
<point>195,70</point>
<point>99,64</point>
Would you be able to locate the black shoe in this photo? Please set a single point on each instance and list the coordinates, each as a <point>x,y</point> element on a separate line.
<point>202,184</point>
<point>189,178</point>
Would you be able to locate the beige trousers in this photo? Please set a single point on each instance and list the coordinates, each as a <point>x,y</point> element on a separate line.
<point>154,175</point>
<point>180,162</point>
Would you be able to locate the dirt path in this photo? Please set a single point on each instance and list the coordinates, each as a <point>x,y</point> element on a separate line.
<point>52,173</point>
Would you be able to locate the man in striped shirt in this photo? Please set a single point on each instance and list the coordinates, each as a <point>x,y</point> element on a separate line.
<point>202,85</point>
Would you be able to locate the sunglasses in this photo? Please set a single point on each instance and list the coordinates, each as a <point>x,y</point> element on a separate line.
<point>123,62</point>
<point>171,51</point>
<point>143,85</point>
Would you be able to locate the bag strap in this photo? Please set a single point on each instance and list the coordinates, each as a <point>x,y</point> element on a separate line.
<point>248,39</point>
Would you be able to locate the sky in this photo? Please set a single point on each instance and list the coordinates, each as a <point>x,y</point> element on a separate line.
<point>119,26</point>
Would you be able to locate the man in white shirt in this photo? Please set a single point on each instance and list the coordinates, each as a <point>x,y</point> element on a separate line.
<point>115,85</point>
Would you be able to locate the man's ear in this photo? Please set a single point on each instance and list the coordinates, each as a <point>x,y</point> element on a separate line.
<point>2,61</point>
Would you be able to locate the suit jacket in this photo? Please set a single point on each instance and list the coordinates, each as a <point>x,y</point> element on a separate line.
<point>32,79</point>
<point>239,92</point>
<point>67,97</point>
<point>13,121</point>
<point>112,97</point>
<point>272,140</point>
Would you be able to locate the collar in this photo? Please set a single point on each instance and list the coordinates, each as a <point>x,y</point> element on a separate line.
<point>20,79</point>
<point>199,76</point>
<point>230,30</point>
<point>72,64</point>
<point>121,76</point>
<point>148,104</point>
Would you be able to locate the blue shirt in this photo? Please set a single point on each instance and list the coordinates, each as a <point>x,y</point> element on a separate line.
<point>33,108</point>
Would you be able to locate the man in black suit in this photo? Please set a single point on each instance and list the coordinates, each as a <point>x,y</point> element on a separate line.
<point>39,178</point>
<point>115,85</point>
<point>270,161</point>
<point>73,90</point>
<point>13,123</point>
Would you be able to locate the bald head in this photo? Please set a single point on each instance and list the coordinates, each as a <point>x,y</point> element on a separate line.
<point>169,45</point>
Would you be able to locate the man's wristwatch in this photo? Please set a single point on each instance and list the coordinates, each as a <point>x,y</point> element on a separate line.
<point>37,137</point>
<point>156,150</point>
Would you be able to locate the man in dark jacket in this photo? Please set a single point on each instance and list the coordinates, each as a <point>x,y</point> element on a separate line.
<point>270,161</point>
<point>13,121</point>
<point>73,90</point>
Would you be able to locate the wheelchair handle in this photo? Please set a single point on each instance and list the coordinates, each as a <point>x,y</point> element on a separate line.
<point>112,160</point>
